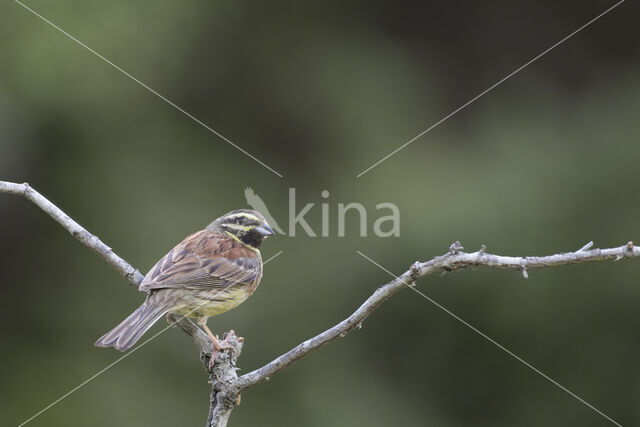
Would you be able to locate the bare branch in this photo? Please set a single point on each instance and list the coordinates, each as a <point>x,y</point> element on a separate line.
<point>199,338</point>
<point>223,372</point>
<point>91,241</point>
<point>226,385</point>
<point>105,252</point>
<point>222,401</point>
<point>455,259</point>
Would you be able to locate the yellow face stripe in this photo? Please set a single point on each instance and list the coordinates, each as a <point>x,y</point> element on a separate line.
<point>245,215</point>
<point>240,227</point>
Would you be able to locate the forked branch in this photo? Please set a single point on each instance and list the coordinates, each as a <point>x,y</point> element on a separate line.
<point>226,386</point>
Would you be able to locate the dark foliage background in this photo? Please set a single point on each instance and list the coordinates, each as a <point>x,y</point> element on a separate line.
<point>319,91</point>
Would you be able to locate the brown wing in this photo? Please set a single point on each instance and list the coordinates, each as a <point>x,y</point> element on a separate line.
<point>204,260</point>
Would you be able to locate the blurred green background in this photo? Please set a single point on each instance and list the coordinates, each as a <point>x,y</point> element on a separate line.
<point>319,91</point>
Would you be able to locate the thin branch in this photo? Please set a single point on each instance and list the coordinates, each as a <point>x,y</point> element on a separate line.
<point>125,269</point>
<point>199,338</point>
<point>105,252</point>
<point>455,259</point>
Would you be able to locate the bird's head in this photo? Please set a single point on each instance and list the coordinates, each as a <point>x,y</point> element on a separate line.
<point>247,226</point>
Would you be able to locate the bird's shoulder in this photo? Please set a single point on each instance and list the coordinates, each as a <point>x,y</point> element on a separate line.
<point>204,259</point>
<point>209,244</point>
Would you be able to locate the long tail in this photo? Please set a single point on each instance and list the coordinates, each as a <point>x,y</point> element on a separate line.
<point>133,327</point>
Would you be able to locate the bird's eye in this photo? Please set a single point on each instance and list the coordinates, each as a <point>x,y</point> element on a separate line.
<point>240,220</point>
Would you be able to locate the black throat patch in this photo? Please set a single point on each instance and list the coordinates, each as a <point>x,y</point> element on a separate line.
<point>252,238</point>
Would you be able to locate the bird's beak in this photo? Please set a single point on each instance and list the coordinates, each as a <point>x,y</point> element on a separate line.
<point>265,230</point>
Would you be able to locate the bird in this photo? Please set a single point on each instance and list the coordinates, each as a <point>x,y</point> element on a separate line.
<point>208,273</point>
<point>258,204</point>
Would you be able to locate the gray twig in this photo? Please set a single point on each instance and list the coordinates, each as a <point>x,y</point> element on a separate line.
<point>105,252</point>
<point>454,259</point>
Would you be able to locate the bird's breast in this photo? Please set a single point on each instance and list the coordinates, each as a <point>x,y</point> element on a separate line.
<point>210,303</point>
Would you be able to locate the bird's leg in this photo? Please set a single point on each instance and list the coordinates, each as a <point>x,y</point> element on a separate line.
<point>217,345</point>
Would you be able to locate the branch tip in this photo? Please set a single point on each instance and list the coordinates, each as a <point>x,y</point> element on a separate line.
<point>455,247</point>
<point>586,247</point>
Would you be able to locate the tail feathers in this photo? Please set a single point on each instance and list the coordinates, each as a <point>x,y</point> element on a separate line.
<point>127,333</point>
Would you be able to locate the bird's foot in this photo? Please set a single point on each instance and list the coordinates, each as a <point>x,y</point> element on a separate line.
<point>222,345</point>
<point>231,334</point>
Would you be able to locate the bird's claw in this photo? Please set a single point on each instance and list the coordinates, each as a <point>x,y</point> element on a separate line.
<point>221,345</point>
